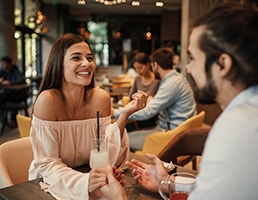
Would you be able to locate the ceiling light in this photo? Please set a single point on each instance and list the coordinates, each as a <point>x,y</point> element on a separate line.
<point>136,3</point>
<point>81,2</point>
<point>148,35</point>
<point>159,4</point>
<point>110,2</point>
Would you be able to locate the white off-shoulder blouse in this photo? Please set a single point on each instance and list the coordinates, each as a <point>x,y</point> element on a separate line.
<point>59,146</point>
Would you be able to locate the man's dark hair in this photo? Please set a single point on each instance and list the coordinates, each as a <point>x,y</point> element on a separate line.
<point>164,57</point>
<point>232,29</point>
<point>6,59</point>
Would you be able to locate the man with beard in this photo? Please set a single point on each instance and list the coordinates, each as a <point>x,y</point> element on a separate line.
<point>224,65</point>
<point>173,103</point>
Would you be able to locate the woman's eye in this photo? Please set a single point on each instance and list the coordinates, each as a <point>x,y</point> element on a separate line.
<point>90,58</point>
<point>76,58</point>
<point>189,59</point>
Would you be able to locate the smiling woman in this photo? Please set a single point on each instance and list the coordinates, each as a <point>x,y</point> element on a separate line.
<point>79,59</point>
<point>64,122</point>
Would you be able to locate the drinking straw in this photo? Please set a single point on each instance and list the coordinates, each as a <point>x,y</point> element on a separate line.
<point>98,145</point>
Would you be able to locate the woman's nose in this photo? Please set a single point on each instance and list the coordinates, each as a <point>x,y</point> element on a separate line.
<point>84,63</point>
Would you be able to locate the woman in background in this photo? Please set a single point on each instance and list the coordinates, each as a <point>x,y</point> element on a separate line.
<point>146,82</point>
<point>145,79</point>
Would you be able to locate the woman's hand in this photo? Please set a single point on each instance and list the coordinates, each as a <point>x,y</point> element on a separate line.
<point>97,180</point>
<point>148,176</point>
<point>139,101</point>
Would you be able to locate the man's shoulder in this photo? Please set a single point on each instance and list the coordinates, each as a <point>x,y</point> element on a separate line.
<point>176,81</point>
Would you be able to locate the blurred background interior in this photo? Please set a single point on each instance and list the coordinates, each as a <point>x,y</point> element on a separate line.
<point>115,30</point>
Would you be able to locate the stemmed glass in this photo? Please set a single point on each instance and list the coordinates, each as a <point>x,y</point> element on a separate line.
<point>177,187</point>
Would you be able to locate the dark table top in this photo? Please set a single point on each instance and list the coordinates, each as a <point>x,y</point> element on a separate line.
<point>31,190</point>
<point>15,87</point>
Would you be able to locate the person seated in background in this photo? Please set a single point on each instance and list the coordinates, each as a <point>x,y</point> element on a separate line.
<point>146,82</point>
<point>224,67</point>
<point>176,63</point>
<point>10,75</point>
<point>173,103</point>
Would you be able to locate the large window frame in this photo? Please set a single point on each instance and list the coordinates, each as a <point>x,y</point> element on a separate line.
<point>28,40</point>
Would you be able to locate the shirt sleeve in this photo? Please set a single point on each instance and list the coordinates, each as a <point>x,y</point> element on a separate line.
<point>164,97</point>
<point>17,77</point>
<point>63,181</point>
<point>119,149</point>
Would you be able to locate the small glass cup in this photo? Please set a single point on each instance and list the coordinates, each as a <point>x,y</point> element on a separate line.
<point>125,100</point>
<point>99,156</point>
<point>177,187</point>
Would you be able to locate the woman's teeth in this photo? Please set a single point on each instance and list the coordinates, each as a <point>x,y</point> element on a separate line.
<point>84,73</point>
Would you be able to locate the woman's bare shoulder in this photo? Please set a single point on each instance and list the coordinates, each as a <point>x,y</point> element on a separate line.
<point>101,99</point>
<point>47,103</point>
<point>102,93</point>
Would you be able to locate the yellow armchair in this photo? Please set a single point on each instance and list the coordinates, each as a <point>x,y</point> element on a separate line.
<point>15,158</point>
<point>24,124</point>
<point>156,142</point>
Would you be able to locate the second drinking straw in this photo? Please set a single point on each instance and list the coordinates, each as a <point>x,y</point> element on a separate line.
<point>98,140</point>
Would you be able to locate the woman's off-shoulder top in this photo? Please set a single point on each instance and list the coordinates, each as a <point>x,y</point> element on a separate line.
<point>59,146</point>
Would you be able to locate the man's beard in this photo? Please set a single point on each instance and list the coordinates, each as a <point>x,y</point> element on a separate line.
<point>207,94</point>
<point>157,75</point>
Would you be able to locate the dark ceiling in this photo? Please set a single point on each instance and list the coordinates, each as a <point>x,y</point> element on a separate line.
<point>147,7</point>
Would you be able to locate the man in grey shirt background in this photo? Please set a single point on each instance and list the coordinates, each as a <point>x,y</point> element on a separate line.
<point>174,101</point>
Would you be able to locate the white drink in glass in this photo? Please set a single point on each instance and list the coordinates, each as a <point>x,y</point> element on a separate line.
<point>99,156</point>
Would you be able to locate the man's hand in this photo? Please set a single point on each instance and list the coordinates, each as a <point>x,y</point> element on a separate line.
<point>148,176</point>
<point>113,189</point>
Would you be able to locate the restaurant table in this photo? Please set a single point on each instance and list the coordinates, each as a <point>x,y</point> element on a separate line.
<point>117,86</point>
<point>13,98</point>
<point>31,190</point>
<point>16,89</point>
<point>22,86</point>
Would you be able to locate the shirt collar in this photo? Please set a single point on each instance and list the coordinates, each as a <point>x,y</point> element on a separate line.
<point>246,94</point>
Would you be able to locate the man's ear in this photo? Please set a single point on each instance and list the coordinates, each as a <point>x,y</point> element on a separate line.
<point>155,66</point>
<point>225,63</point>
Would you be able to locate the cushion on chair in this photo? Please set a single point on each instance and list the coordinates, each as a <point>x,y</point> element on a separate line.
<point>156,142</point>
<point>188,142</point>
<point>24,124</point>
<point>15,158</point>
